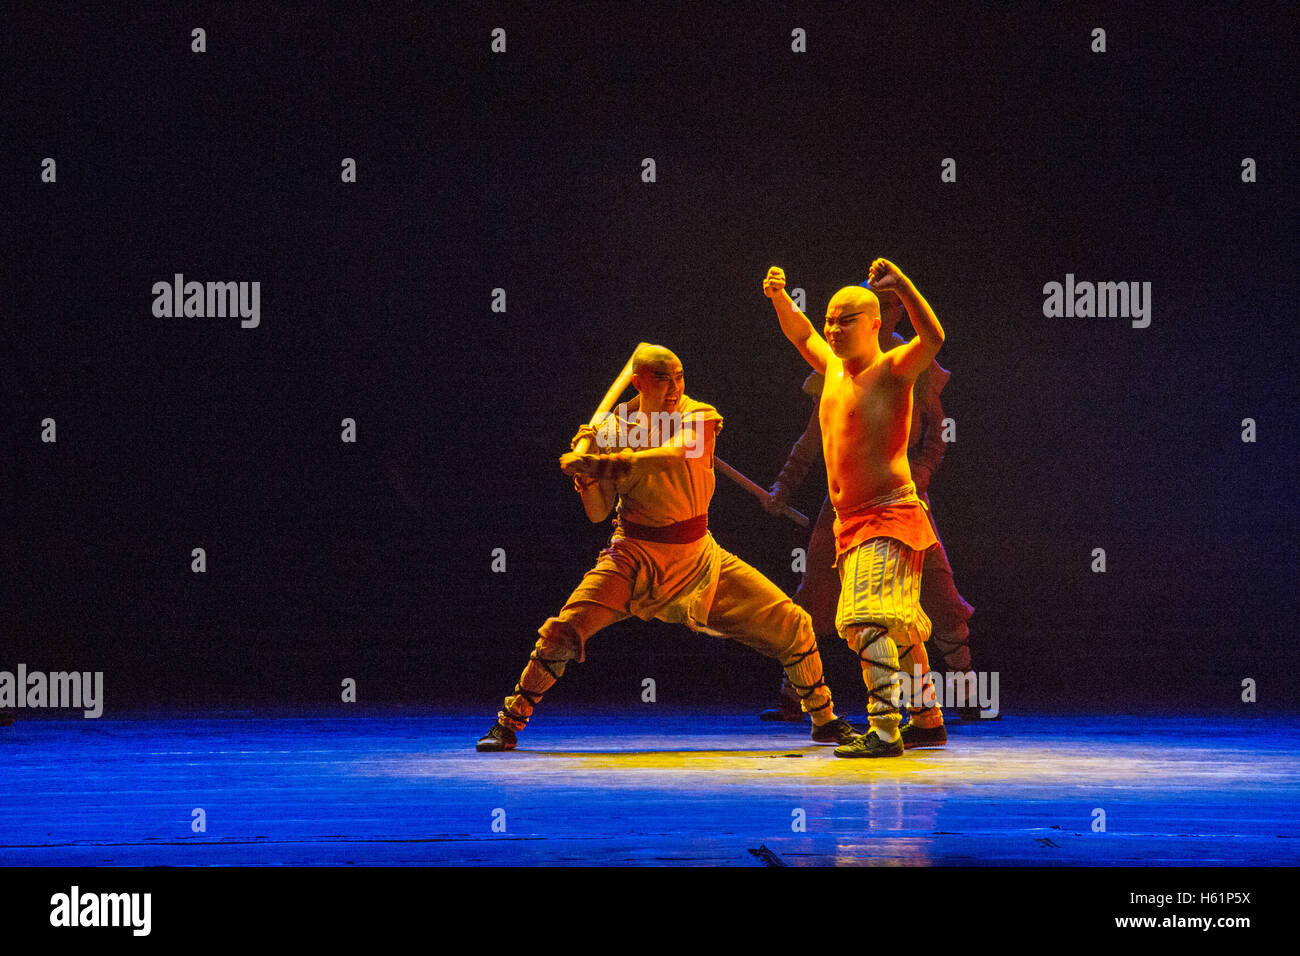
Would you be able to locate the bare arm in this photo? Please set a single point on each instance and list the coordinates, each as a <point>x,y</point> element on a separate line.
<point>795,324</point>
<point>598,494</point>
<point>598,497</point>
<point>910,360</point>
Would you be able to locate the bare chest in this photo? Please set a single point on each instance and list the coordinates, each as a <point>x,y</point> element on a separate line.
<point>853,405</point>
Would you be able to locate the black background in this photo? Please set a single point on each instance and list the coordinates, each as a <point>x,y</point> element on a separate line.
<point>523,171</point>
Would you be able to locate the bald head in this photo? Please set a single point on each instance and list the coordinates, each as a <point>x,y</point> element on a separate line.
<point>651,358</point>
<point>657,377</point>
<point>852,323</point>
<point>854,298</point>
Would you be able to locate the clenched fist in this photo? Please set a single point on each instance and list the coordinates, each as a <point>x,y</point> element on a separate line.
<point>601,467</point>
<point>884,276</point>
<point>774,282</point>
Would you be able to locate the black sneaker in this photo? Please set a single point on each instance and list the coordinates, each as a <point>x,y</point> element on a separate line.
<point>975,715</point>
<point>870,745</point>
<point>914,736</point>
<point>838,731</point>
<point>787,712</point>
<point>496,740</point>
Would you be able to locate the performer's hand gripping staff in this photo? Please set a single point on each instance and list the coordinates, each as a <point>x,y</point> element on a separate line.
<point>763,497</point>
<point>586,469</point>
<point>589,470</point>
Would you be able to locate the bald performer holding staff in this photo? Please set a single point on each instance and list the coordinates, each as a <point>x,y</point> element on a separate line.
<point>662,562</point>
<point>881,527</point>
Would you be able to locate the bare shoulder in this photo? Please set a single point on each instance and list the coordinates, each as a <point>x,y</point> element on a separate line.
<point>905,362</point>
<point>881,365</point>
<point>834,370</point>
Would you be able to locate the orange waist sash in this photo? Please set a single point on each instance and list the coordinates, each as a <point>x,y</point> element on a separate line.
<point>900,515</point>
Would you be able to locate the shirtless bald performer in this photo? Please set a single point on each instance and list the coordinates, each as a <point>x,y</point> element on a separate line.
<point>881,527</point>
<point>818,591</point>
<point>662,562</point>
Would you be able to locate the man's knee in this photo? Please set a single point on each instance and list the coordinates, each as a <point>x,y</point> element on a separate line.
<point>780,634</point>
<point>559,641</point>
<point>798,626</point>
<point>803,639</point>
<point>949,615</point>
<point>947,639</point>
<point>863,634</point>
<point>942,601</point>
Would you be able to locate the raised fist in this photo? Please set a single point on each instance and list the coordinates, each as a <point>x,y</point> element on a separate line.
<point>774,282</point>
<point>884,275</point>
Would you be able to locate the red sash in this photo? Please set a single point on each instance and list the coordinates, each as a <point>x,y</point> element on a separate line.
<point>680,532</point>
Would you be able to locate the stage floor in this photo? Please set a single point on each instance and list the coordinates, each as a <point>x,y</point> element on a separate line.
<point>661,789</point>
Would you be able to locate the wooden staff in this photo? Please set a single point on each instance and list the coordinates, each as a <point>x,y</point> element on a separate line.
<point>607,403</point>
<point>756,491</point>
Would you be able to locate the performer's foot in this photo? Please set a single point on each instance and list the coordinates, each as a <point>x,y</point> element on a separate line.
<point>971,711</point>
<point>838,731</point>
<point>914,736</point>
<point>787,711</point>
<point>870,745</point>
<point>496,740</point>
